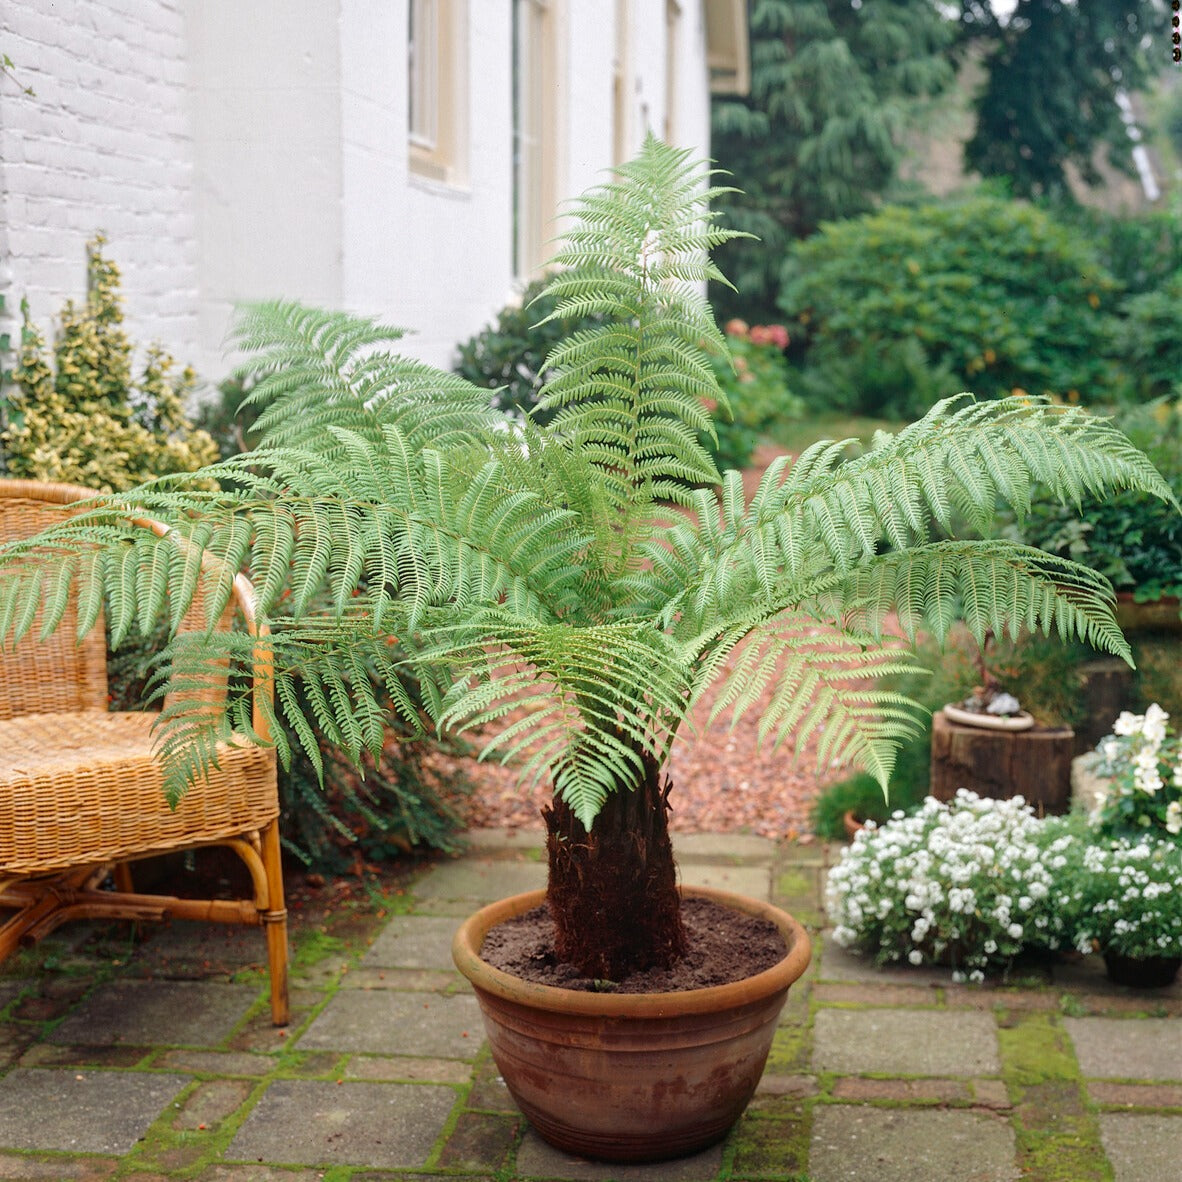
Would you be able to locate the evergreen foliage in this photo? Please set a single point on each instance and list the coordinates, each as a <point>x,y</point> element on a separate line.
<point>529,574</point>
<point>834,86</point>
<point>985,294</point>
<point>1053,72</point>
<point>80,415</point>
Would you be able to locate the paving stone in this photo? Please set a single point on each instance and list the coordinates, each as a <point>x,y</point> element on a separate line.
<point>991,1093</point>
<point>877,995</point>
<point>480,880</point>
<point>398,1024</point>
<point>310,1122</point>
<point>1127,1048</point>
<point>837,964</point>
<point>754,881</point>
<point>1135,1095</point>
<point>1142,1148</point>
<point>260,1173</point>
<point>538,1159</point>
<point>413,942</point>
<point>479,1141</point>
<point>794,1087</point>
<point>421,980</point>
<point>522,840</point>
<point>489,1090</point>
<point>905,1042</point>
<point>144,1013</point>
<point>392,1067</point>
<point>45,1054</point>
<point>10,990</point>
<point>219,947</point>
<point>81,1112</point>
<point>911,1091</point>
<point>15,1168</point>
<point>858,1144</point>
<point>211,1102</point>
<point>216,1062</point>
<point>722,846</point>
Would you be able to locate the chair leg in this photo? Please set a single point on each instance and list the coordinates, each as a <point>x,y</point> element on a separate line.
<point>275,922</point>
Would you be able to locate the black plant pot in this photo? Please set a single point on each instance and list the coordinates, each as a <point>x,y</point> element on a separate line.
<point>1142,972</point>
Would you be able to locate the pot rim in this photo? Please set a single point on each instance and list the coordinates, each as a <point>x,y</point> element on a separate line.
<point>470,936</point>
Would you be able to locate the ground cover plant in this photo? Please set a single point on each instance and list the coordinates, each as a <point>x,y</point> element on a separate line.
<point>539,578</point>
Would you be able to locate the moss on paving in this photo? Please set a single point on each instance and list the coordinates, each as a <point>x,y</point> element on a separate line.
<point>1058,1134</point>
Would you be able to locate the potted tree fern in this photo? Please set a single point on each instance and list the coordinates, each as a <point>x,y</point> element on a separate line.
<point>578,586</point>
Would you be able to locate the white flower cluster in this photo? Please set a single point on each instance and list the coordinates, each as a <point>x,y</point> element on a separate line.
<point>1128,898</point>
<point>966,884</point>
<point>1138,756</point>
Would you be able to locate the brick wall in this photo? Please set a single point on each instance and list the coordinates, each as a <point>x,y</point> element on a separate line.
<point>104,144</point>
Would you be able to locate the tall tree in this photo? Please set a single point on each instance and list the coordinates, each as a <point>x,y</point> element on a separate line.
<point>1053,70</point>
<point>834,85</point>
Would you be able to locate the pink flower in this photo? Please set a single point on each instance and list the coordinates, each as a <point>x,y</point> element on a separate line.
<point>736,328</point>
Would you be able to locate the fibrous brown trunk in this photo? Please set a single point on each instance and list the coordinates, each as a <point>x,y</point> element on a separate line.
<point>613,891</point>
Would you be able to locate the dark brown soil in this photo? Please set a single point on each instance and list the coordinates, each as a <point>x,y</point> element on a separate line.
<point>724,946</point>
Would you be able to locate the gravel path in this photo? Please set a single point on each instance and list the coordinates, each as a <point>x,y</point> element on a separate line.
<point>722,781</point>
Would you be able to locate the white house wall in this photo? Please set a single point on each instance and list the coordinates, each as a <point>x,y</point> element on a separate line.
<point>104,144</point>
<point>266,115</point>
<point>245,149</point>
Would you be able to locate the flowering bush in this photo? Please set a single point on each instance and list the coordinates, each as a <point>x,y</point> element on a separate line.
<point>1143,758</point>
<point>969,884</point>
<point>756,388</point>
<point>1125,897</point>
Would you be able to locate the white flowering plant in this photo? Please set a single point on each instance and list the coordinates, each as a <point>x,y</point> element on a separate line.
<point>968,884</point>
<point>1143,759</point>
<point>1125,897</point>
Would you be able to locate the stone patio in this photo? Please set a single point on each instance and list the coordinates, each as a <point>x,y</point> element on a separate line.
<point>156,1059</point>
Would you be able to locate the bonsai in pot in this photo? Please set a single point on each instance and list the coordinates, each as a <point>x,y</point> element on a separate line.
<point>583,584</point>
<point>989,704</point>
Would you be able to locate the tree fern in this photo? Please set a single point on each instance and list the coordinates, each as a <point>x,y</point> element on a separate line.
<point>537,579</point>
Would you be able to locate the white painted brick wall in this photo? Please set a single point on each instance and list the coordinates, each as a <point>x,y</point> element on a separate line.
<point>105,144</point>
<point>244,149</point>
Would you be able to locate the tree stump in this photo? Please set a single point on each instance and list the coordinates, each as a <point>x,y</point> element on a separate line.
<point>1034,764</point>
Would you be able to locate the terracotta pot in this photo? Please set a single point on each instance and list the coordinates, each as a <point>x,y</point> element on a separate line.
<point>852,824</point>
<point>630,1077</point>
<point>1142,972</point>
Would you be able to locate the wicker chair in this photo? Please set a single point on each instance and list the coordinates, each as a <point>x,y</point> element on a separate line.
<point>81,795</point>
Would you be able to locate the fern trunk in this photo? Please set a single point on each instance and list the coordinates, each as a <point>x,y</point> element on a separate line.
<point>613,890</point>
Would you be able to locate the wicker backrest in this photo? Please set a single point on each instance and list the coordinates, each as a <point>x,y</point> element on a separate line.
<point>59,674</point>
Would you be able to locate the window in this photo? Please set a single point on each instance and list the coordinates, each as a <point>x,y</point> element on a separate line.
<point>621,139</point>
<point>672,33</point>
<point>535,133</point>
<point>437,75</point>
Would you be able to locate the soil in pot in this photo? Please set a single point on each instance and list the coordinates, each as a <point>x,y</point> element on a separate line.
<point>725,946</point>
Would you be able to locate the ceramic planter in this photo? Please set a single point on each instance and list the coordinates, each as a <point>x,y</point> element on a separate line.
<point>630,1077</point>
<point>992,722</point>
<point>1142,972</point>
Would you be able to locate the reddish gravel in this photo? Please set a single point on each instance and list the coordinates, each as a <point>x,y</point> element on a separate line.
<point>722,781</point>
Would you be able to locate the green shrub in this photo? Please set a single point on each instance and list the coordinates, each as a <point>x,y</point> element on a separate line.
<point>77,413</point>
<point>509,355</point>
<point>995,295</point>
<point>756,386</point>
<point>1041,671</point>
<point>1147,339</point>
<point>1135,542</point>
